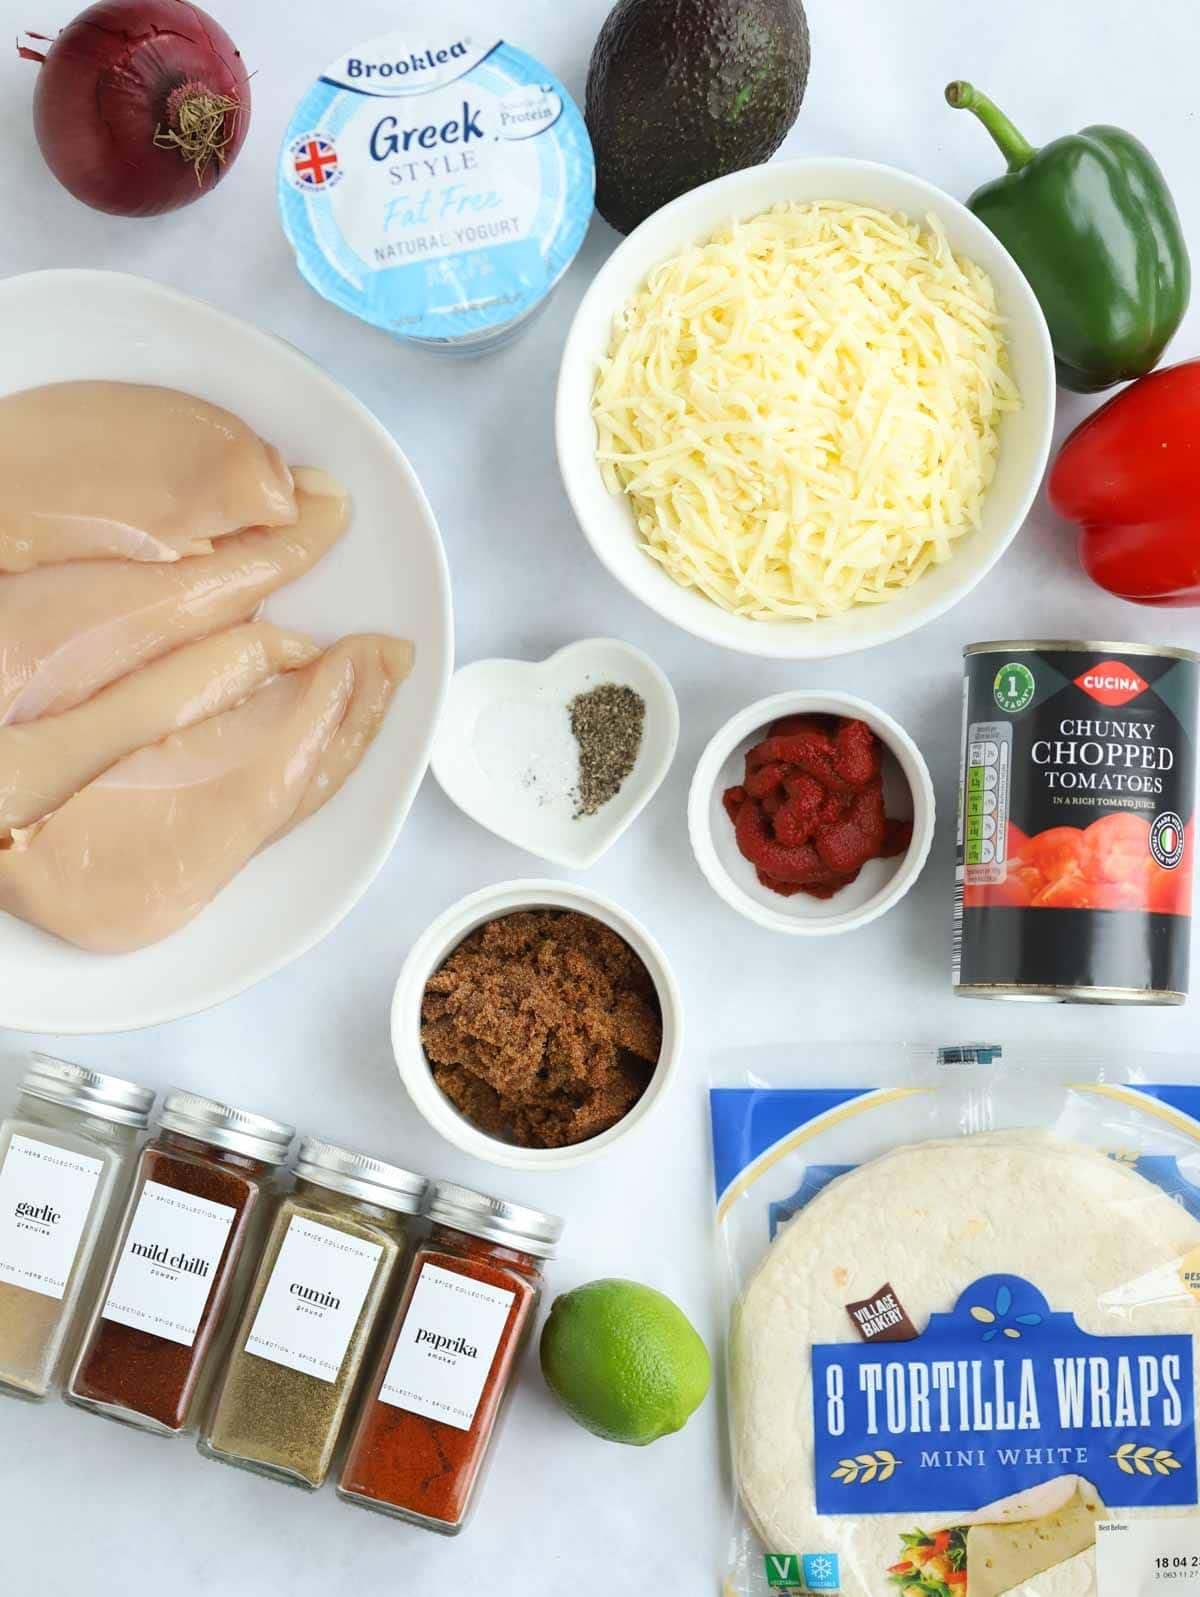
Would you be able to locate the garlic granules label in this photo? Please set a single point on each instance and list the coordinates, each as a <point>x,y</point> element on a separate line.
<point>45,1195</point>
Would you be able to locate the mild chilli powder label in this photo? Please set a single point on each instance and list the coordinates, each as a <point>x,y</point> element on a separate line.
<point>169,1263</point>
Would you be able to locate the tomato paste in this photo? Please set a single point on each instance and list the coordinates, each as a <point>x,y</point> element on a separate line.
<point>1076,826</point>
<point>810,812</point>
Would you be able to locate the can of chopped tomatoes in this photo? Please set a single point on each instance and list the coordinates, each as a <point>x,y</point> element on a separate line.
<point>1075,822</point>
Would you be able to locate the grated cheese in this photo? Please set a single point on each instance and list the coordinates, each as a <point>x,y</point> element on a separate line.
<point>804,410</point>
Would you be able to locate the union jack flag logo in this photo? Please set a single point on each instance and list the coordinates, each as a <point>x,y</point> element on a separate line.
<point>315,162</point>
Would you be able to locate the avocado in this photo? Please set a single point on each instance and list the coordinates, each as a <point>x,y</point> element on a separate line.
<point>683,91</point>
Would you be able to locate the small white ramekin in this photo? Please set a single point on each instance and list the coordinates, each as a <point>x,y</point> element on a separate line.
<point>434,947</point>
<point>880,884</point>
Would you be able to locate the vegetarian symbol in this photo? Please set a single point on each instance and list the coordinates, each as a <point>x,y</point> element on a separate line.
<point>866,1467</point>
<point>993,1319</point>
<point>1132,1459</point>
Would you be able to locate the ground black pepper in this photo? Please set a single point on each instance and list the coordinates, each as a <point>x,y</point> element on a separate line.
<point>607,722</point>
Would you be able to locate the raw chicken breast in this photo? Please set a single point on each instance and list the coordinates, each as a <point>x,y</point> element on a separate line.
<point>142,850</point>
<point>68,631</point>
<point>380,665</point>
<point>100,470</point>
<point>44,762</point>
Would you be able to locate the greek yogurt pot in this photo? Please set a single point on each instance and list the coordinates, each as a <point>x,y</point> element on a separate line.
<point>437,185</point>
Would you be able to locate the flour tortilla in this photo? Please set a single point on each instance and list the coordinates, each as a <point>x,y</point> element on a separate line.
<point>1012,1540</point>
<point>930,1218</point>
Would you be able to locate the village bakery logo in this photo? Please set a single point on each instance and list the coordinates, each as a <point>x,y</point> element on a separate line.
<point>448,1348</point>
<point>997,1397</point>
<point>1111,683</point>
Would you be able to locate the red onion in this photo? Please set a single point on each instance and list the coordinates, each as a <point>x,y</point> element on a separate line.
<point>141,105</point>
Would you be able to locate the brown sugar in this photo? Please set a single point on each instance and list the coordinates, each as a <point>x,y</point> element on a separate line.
<point>542,1028</point>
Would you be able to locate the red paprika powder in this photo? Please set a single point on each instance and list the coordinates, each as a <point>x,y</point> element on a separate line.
<point>199,1188</point>
<point>432,1406</point>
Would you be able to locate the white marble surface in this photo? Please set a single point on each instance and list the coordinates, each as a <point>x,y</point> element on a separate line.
<point>89,1509</point>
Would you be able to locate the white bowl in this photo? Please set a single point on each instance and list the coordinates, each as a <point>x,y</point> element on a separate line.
<point>505,754</point>
<point>1025,437</point>
<point>908,792</point>
<point>388,574</point>
<point>430,952</point>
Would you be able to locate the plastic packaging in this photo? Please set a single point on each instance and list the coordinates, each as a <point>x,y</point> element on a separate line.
<point>964,1313</point>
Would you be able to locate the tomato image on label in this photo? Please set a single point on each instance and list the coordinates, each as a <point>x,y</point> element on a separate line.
<point>1076,798</point>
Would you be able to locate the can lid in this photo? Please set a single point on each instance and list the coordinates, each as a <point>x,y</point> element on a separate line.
<point>223,1126</point>
<point>77,1087</point>
<point>529,1230</point>
<point>359,1176</point>
<point>1080,646</point>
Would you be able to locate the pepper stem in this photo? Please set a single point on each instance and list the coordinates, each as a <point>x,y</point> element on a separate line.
<point>196,125</point>
<point>1014,146</point>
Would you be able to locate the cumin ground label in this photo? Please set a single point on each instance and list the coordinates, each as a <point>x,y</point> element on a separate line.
<point>314,1298</point>
<point>882,1317</point>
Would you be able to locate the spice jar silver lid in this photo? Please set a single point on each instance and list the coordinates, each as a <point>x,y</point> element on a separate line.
<point>223,1126</point>
<point>359,1176</point>
<point>528,1230</point>
<point>77,1087</point>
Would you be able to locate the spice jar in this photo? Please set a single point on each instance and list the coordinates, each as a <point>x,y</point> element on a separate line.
<point>431,1409</point>
<point>65,1158</point>
<point>198,1197</point>
<point>316,1299</point>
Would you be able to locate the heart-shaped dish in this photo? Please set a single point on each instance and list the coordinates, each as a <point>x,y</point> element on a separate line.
<point>506,755</point>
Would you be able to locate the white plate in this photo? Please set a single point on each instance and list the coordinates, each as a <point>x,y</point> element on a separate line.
<point>505,754</point>
<point>606,519</point>
<point>387,575</point>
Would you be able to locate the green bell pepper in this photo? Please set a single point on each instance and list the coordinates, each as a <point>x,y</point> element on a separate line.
<point>1091,223</point>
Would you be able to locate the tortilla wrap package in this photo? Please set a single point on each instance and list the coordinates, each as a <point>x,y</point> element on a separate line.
<point>964,1329</point>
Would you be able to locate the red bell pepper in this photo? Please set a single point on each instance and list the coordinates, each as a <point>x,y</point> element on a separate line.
<point>1130,476</point>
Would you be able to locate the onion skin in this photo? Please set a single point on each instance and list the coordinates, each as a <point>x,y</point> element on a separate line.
<point>101,102</point>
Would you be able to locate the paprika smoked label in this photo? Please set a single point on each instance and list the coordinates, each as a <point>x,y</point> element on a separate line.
<point>446,1346</point>
<point>169,1263</point>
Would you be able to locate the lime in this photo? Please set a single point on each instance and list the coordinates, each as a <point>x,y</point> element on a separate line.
<point>624,1361</point>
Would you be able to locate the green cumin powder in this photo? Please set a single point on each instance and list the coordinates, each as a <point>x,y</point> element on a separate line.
<point>270,1416</point>
<point>607,723</point>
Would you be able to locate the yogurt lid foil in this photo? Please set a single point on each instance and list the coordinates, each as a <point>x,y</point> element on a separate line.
<point>437,185</point>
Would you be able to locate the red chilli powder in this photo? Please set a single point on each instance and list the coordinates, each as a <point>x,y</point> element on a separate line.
<point>166,1253</point>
